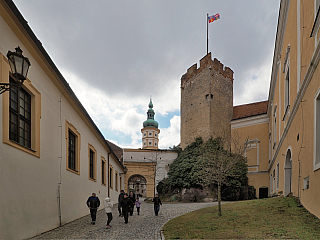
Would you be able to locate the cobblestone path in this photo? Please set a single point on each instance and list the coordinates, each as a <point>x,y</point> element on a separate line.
<point>143,226</point>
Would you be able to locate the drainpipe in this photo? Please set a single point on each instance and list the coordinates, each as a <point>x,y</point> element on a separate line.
<point>108,176</point>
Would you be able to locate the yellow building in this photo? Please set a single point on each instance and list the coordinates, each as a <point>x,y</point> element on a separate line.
<point>294,104</point>
<point>250,126</point>
<point>285,145</point>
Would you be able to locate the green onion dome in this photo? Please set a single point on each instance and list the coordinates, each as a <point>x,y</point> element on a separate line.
<point>150,122</point>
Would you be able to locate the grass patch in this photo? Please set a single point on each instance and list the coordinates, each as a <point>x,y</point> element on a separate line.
<point>271,218</point>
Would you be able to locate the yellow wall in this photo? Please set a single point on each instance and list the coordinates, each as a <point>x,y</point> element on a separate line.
<point>257,157</point>
<point>147,170</point>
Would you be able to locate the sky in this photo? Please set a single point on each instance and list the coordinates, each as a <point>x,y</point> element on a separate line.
<point>117,54</point>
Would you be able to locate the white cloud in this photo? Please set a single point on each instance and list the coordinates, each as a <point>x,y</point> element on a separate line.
<point>119,115</point>
<point>170,136</point>
<point>256,86</point>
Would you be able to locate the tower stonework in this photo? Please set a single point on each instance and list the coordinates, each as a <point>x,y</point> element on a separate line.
<point>206,101</point>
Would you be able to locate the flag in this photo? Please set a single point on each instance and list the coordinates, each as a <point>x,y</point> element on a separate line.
<point>213,17</point>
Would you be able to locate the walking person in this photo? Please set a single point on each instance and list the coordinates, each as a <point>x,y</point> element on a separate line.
<point>138,204</point>
<point>93,204</point>
<point>120,199</point>
<point>132,196</point>
<point>126,205</point>
<point>107,207</point>
<point>156,204</point>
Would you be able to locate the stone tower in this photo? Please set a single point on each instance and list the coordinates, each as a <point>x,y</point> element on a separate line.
<point>206,101</point>
<point>150,131</point>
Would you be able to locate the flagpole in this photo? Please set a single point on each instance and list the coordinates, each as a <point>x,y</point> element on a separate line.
<point>207,35</point>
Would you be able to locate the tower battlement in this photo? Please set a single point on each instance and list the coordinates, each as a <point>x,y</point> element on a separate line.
<point>207,62</point>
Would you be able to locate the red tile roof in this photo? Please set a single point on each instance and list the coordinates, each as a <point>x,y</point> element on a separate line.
<point>249,110</point>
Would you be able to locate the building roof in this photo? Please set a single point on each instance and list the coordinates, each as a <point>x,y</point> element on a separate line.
<point>118,151</point>
<point>250,110</point>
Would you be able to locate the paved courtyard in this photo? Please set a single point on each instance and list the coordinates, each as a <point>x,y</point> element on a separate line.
<point>143,226</point>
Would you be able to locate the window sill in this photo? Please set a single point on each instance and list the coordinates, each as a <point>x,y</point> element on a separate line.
<point>73,171</point>
<point>21,147</point>
<point>91,179</point>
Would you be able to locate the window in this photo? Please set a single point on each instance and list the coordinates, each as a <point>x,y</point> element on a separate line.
<point>92,154</point>
<point>150,134</point>
<point>20,116</point>
<point>72,151</point>
<point>73,148</point>
<point>21,113</point>
<point>103,171</point>
<point>144,134</point>
<point>275,127</point>
<point>116,180</point>
<point>150,143</point>
<point>271,189</point>
<point>155,144</point>
<point>111,177</point>
<point>277,176</point>
<point>306,183</point>
<point>155,134</point>
<point>316,142</point>
<point>274,180</point>
<point>287,92</point>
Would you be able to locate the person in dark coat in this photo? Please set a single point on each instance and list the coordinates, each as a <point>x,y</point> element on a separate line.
<point>120,199</point>
<point>156,203</point>
<point>132,196</point>
<point>93,204</point>
<point>126,205</point>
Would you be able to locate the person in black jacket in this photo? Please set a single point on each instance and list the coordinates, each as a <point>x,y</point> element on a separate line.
<point>132,196</point>
<point>120,199</point>
<point>93,204</point>
<point>156,203</point>
<point>126,205</point>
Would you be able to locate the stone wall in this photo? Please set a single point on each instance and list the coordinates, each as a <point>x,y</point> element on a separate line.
<point>206,101</point>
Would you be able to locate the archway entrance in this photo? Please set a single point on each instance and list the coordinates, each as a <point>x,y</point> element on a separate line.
<point>288,173</point>
<point>263,192</point>
<point>138,184</point>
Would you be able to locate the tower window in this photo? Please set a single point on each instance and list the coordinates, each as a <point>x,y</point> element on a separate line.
<point>209,96</point>
<point>150,134</point>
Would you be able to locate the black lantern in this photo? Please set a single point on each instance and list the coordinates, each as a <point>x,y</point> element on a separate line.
<point>19,67</point>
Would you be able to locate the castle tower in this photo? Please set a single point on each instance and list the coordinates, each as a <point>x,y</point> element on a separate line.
<point>150,131</point>
<point>206,101</point>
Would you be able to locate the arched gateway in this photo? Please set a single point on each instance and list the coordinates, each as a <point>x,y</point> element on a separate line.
<point>138,184</point>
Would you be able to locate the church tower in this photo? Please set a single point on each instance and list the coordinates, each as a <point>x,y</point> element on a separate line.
<point>206,101</point>
<point>150,131</point>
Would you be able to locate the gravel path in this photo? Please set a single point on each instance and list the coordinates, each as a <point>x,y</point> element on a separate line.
<point>143,226</point>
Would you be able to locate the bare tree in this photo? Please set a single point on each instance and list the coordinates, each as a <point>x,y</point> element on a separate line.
<point>217,165</point>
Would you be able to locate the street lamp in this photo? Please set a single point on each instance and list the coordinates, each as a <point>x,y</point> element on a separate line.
<point>19,67</point>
